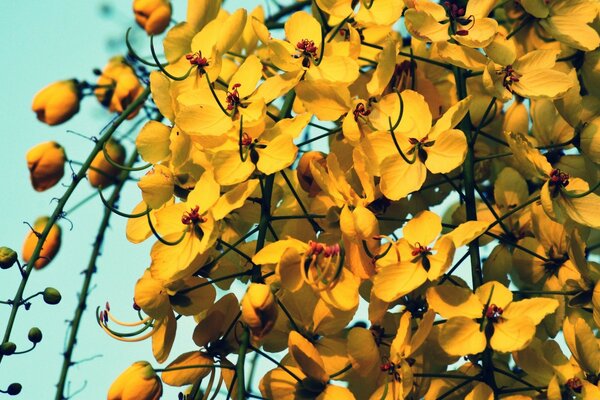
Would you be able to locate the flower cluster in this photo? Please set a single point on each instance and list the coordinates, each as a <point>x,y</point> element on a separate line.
<point>468,136</point>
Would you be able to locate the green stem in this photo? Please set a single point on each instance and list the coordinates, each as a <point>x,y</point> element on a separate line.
<point>314,224</point>
<point>58,211</point>
<point>194,367</point>
<point>241,364</point>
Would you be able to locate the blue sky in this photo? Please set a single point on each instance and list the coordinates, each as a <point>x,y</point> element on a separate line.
<point>45,41</point>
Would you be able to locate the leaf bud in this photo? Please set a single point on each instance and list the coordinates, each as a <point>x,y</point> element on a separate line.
<point>8,348</point>
<point>51,296</point>
<point>7,257</point>
<point>50,247</point>
<point>35,335</point>
<point>46,163</point>
<point>57,102</point>
<point>14,389</point>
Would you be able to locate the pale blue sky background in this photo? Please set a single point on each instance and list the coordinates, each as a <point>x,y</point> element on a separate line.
<point>41,42</point>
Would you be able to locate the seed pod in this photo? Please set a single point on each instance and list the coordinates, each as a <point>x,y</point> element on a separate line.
<point>7,257</point>
<point>51,296</point>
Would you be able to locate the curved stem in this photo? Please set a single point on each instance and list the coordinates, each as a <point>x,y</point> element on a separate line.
<point>214,94</point>
<point>58,211</point>
<point>398,148</point>
<point>162,68</point>
<point>120,166</point>
<point>160,238</point>
<point>570,195</point>
<point>110,206</point>
<point>133,53</point>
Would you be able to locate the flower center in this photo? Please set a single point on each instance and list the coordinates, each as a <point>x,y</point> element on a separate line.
<point>360,111</point>
<point>494,313</point>
<point>391,369</point>
<point>197,59</point>
<point>575,384</point>
<point>192,217</point>
<point>233,97</point>
<point>322,265</point>
<point>510,76</point>
<point>307,50</point>
<point>456,14</point>
<point>558,178</point>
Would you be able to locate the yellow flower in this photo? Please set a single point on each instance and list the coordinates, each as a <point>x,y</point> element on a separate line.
<point>304,173</point>
<point>507,325</point>
<point>439,149</point>
<point>467,25</point>
<point>259,310</point>
<point>532,75</point>
<point>57,102</point>
<point>194,226</point>
<point>157,186</point>
<point>102,173</point>
<point>152,15</point>
<point>416,261</point>
<point>50,247</point>
<point>270,151</point>
<point>46,163</point>
<point>138,382</point>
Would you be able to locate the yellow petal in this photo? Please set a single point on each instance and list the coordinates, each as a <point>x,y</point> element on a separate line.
<point>362,351</point>
<point>384,70</point>
<point>153,142</point>
<point>279,154</point>
<point>399,179</point>
<point>423,228</point>
<point>467,232</point>
<point>302,25</point>
<point>187,376</point>
<point>447,153</point>
<point>395,280</point>
<point>451,118</point>
<point>233,199</point>
<point>230,169</point>
<point>163,337</point>
<point>230,30</point>
<point>327,102</point>
<point>501,295</point>
<point>460,336</point>
<point>308,358</point>
<point>289,269</point>
<point>534,309</point>
<point>512,335</point>
<point>453,301</point>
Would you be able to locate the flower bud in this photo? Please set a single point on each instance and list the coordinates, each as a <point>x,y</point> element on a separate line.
<point>102,173</point>
<point>8,348</point>
<point>50,247</point>
<point>138,382</point>
<point>51,296</point>
<point>35,335</point>
<point>305,178</point>
<point>57,102</point>
<point>152,15</point>
<point>14,389</point>
<point>259,310</point>
<point>118,86</point>
<point>7,257</point>
<point>46,163</point>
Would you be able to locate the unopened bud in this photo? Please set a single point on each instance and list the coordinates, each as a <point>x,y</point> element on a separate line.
<point>57,102</point>
<point>259,310</point>
<point>14,389</point>
<point>305,177</point>
<point>46,163</point>
<point>8,348</point>
<point>35,335</point>
<point>7,257</point>
<point>118,86</point>
<point>152,15</point>
<point>51,296</point>
<point>102,173</point>
<point>50,246</point>
<point>139,382</point>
